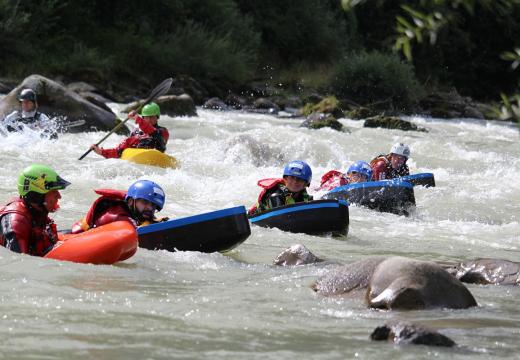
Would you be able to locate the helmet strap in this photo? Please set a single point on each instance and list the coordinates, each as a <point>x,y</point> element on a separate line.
<point>33,198</point>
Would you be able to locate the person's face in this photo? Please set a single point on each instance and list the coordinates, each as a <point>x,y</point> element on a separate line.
<point>294,184</point>
<point>145,208</point>
<point>51,200</point>
<point>27,105</point>
<point>397,161</point>
<point>355,177</point>
<point>152,120</point>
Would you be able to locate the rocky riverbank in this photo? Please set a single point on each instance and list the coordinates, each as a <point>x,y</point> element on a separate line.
<point>79,101</point>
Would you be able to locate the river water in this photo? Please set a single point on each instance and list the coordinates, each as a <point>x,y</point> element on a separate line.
<point>189,305</point>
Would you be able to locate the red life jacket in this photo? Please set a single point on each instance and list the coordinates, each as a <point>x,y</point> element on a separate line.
<point>333,179</point>
<point>266,184</point>
<point>43,234</point>
<point>114,207</point>
<point>382,169</point>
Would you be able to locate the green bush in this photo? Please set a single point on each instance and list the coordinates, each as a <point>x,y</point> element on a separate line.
<point>377,78</point>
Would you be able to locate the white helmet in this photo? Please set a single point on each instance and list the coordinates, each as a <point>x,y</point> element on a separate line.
<point>400,149</point>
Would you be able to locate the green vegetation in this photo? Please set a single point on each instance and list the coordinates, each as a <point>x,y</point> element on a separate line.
<point>370,51</point>
<point>377,79</point>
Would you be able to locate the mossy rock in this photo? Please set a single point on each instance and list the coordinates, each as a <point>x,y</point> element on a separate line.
<point>329,105</point>
<point>391,122</point>
<point>320,120</point>
<point>361,113</point>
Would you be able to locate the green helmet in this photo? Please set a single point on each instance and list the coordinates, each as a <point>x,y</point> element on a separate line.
<point>40,179</point>
<point>151,109</point>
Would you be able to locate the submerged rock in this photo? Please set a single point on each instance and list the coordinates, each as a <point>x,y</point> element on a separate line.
<point>403,332</point>
<point>489,271</point>
<point>296,255</point>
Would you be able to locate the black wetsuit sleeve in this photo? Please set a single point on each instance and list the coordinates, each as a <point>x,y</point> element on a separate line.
<point>10,239</point>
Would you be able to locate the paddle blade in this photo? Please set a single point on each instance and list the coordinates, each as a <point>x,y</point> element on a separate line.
<point>159,90</point>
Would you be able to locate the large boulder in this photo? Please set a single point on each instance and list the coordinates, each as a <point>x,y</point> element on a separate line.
<point>408,333</point>
<point>401,283</point>
<point>75,113</point>
<point>397,283</point>
<point>347,278</point>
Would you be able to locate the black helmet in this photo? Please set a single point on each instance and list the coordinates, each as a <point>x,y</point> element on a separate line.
<point>27,94</point>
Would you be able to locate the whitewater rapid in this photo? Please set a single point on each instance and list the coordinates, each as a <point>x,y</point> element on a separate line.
<point>160,305</point>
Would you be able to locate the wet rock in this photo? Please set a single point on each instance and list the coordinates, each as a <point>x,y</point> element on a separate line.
<point>489,271</point>
<point>319,120</point>
<point>391,122</point>
<point>96,99</point>
<point>402,332</point>
<point>260,89</point>
<point>401,283</point>
<point>173,105</point>
<point>450,105</point>
<point>294,102</point>
<point>347,278</point>
<point>55,100</point>
<point>6,86</point>
<point>361,113</point>
<point>235,101</point>
<point>313,98</point>
<point>266,104</point>
<point>328,105</point>
<point>396,283</point>
<point>296,255</point>
<point>170,105</point>
<point>183,84</point>
<point>80,87</point>
<point>215,104</point>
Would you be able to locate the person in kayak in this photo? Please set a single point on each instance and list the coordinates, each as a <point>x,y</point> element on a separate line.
<point>392,165</point>
<point>29,117</point>
<point>358,172</point>
<point>297,175</point>
<point>137,206</point>
<point>148,135</point>
<point>25,226</point>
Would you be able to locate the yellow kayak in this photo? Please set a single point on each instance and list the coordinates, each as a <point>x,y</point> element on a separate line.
<point>149,157</point>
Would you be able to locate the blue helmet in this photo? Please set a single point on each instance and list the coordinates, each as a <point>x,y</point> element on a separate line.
<point>147,190</point>
<point>298,169</point>
<point>362,168</point>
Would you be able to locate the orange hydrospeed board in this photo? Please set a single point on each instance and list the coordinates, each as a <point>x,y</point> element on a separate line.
<point>106,244</point>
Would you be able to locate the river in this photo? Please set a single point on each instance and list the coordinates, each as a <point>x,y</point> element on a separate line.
<point>189,305</point>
